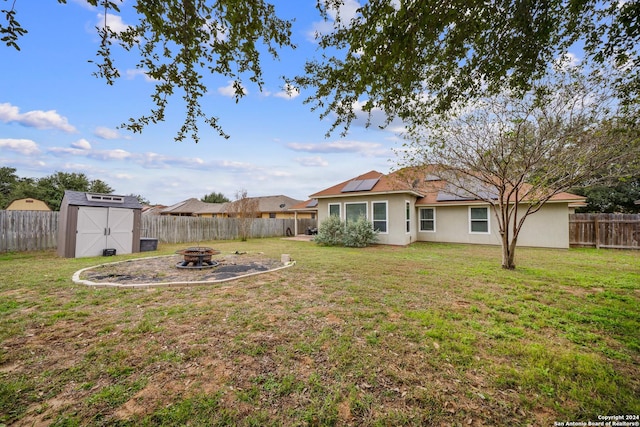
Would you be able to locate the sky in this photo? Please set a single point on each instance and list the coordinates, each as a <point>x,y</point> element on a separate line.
<point>55,116</point>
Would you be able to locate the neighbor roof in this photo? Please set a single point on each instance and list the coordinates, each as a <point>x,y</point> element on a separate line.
<point>279,203</point>
<point>307,205</point>
<point>193,206</point>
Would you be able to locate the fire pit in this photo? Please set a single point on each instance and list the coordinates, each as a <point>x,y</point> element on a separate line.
<point>197,257</point>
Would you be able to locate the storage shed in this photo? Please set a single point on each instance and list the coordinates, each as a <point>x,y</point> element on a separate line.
<point>92,224</point>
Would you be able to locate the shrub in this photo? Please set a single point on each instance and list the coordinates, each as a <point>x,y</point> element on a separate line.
<point>330,232</point>
<point>359,234</point>
<point>356,234</point>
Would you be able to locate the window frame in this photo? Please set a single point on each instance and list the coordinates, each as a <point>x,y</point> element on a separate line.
<point>433,220</point>
<point>487,220</point>
<point>407,208</point>
<point>339,209</point>
<point>366,210</point>
<point>386,215</point>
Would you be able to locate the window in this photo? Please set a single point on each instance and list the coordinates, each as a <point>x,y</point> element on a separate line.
<point>408,216</point>
<point>479,220</point>
<point>334,209</point>
<point>379,216</point>
<point>272,214</point>
<point>353,211</point>
<point>427,219</point>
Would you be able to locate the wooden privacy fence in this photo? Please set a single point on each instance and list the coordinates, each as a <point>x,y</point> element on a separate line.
<point>28,230</point>
<point>181,229</point>
<point>614,231</point>
<point>33,230</point>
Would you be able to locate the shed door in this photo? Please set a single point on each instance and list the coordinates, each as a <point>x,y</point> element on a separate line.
<point>102,228</point>
<point>91,231</point>
<point>120,230</point>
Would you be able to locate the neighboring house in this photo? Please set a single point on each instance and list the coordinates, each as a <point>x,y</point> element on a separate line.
<point>152,210</point>
<point>270,207</point>
<point>425,209</point>
<point>307,209</point>
<point>194,207</point>
<point>28,205</point>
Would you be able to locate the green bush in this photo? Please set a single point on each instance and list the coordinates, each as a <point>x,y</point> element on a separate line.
<point>355,234</point>
<point>359,234</point>
<point>330,232</point>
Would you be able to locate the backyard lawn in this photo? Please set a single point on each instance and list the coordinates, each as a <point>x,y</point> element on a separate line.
<point>430,334</point>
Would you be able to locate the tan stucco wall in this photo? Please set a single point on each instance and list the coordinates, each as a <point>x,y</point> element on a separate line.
<point>28,205</point>
<point>396,234</point>
<point>548,227</point>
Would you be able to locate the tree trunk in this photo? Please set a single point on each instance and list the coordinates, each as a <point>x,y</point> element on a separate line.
<point>508,253</point>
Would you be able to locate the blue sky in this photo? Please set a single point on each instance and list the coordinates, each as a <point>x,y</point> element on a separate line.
<point>56,116</point>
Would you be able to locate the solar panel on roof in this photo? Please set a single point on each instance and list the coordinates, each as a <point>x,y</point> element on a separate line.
<point>367,184</point>
<point>313,203</point>
<point>452,193</point>
<point>351,186</point>
<point>360,185</point>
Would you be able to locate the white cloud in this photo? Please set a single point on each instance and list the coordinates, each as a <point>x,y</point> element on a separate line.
<point>84,4</point>
<point>288,92</point>
<point>114,22</point>
<point>81,144</point>
<point>25,147</point>
<point>368,149</point>
<point>132,73</point>
<point>117,154</point>
<point>107,133</point>
<point>230,90</point>
<point>36,119</point>
<point>315,161</point>
<point>567,61</point>
<point>345,13</point>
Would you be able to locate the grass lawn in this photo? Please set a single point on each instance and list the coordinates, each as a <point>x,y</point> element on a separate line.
<point>430,334</point>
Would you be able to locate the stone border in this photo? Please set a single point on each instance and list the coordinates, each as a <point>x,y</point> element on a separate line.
<point>76,277</point>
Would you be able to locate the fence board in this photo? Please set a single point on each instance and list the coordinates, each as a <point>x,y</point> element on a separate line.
<point>33,230</point>
<point>611,231</point>
<point>28,230</point>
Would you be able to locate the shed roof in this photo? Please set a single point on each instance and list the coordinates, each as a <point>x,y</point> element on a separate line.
<point>80,198</point>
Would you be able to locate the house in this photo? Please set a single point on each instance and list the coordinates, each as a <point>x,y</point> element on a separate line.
<point>194,207</point>
<point>268,206</point>
<point>406,208</point>
<point>148,210</point>
<point>28,204</point>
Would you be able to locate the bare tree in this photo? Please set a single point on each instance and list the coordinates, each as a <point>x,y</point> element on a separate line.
<point>516,154</point>
<point>245,210</point>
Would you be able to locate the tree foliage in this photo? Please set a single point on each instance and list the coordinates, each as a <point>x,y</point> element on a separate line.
<point>411,58</point>
<point>398,56</point>
<point>245,210</point>
<point>50,189</point>
<point>517,153</point>
<point>179,42</point>
<point>618,197</point>
<point>215,198</point>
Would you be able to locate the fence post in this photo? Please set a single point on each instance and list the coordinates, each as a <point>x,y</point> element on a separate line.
<point>596,226</point>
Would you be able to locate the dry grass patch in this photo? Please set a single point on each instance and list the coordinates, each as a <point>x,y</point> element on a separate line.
<point>423,335</point>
